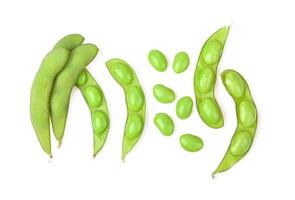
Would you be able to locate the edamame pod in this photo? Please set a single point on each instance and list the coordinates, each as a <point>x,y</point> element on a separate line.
<point>247,119</point>
<point>125,76</point>
<point>205,78</point>
<point>42,85</point>
<point>97,105</point>
<point>80,57</point>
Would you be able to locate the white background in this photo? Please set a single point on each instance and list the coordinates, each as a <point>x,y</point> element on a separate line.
<point>260,46</point>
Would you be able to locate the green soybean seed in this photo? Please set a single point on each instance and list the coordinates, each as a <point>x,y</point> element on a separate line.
<point>247,119</point>
<point>163,94</point>
<point>164,123</point>
<point>79,58</point>
<point>191,143</point>
<point>125,76</point>
<point>42,85</point>
<point>181,62</point>
<point>97,105</point>
<point>158,60</point>
<point>184,107</point>
<point>205,78</point>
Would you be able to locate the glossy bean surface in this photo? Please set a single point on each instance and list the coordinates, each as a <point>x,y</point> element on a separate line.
<point>184,107</point>
<point>191,143</point>
<point>164,123</point>
<point>163,94</point>
<point>158,60</point>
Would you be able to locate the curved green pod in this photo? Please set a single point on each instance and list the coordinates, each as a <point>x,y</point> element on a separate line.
<point>79,58</point>
<point>42,85</point>
<point>247,119</point>
<point>125,76</point>
<point>97,105</point>
<point>205,78</point>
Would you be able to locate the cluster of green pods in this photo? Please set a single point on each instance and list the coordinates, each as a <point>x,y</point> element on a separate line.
<point>64,67</point>
<point>59,72</point>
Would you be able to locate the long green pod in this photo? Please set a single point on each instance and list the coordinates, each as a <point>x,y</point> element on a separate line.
<point>205,78</point>
<point>42,85</point>
<point>97,105</point>
<point>79,58</point>
<point>247,119</point>
<point>125,76</point>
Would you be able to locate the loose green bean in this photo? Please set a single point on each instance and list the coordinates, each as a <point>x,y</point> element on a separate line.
<point>247,119</point>
<point>164,123</point>
<point>42,85</point>
<point>191,143</point>
<point>80,57</point>
<point>205,78</point>
<point>158,60</point>
<point>184,107</point>
<point>125,76</point>
<point>181,62</point>
<point>163,94</point>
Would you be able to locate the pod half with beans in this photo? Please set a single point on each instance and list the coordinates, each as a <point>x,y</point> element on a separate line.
<point>246,111</point>
<point>125,76</point>
<point>205,78</point>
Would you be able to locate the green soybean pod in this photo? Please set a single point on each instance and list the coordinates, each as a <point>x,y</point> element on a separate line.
<point>42,85</point>
<point>125,76</point>
<point>158,60</point>
<point>181,62</point>
<point>163,94</point>
<point>97,105</point>
<point>247,119</point>
<point>191,143</point>
<point>184,107</point>
<point>79,58</point>
<point>164,123</point>
<point>70,42</point>
<point>205,78</point>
